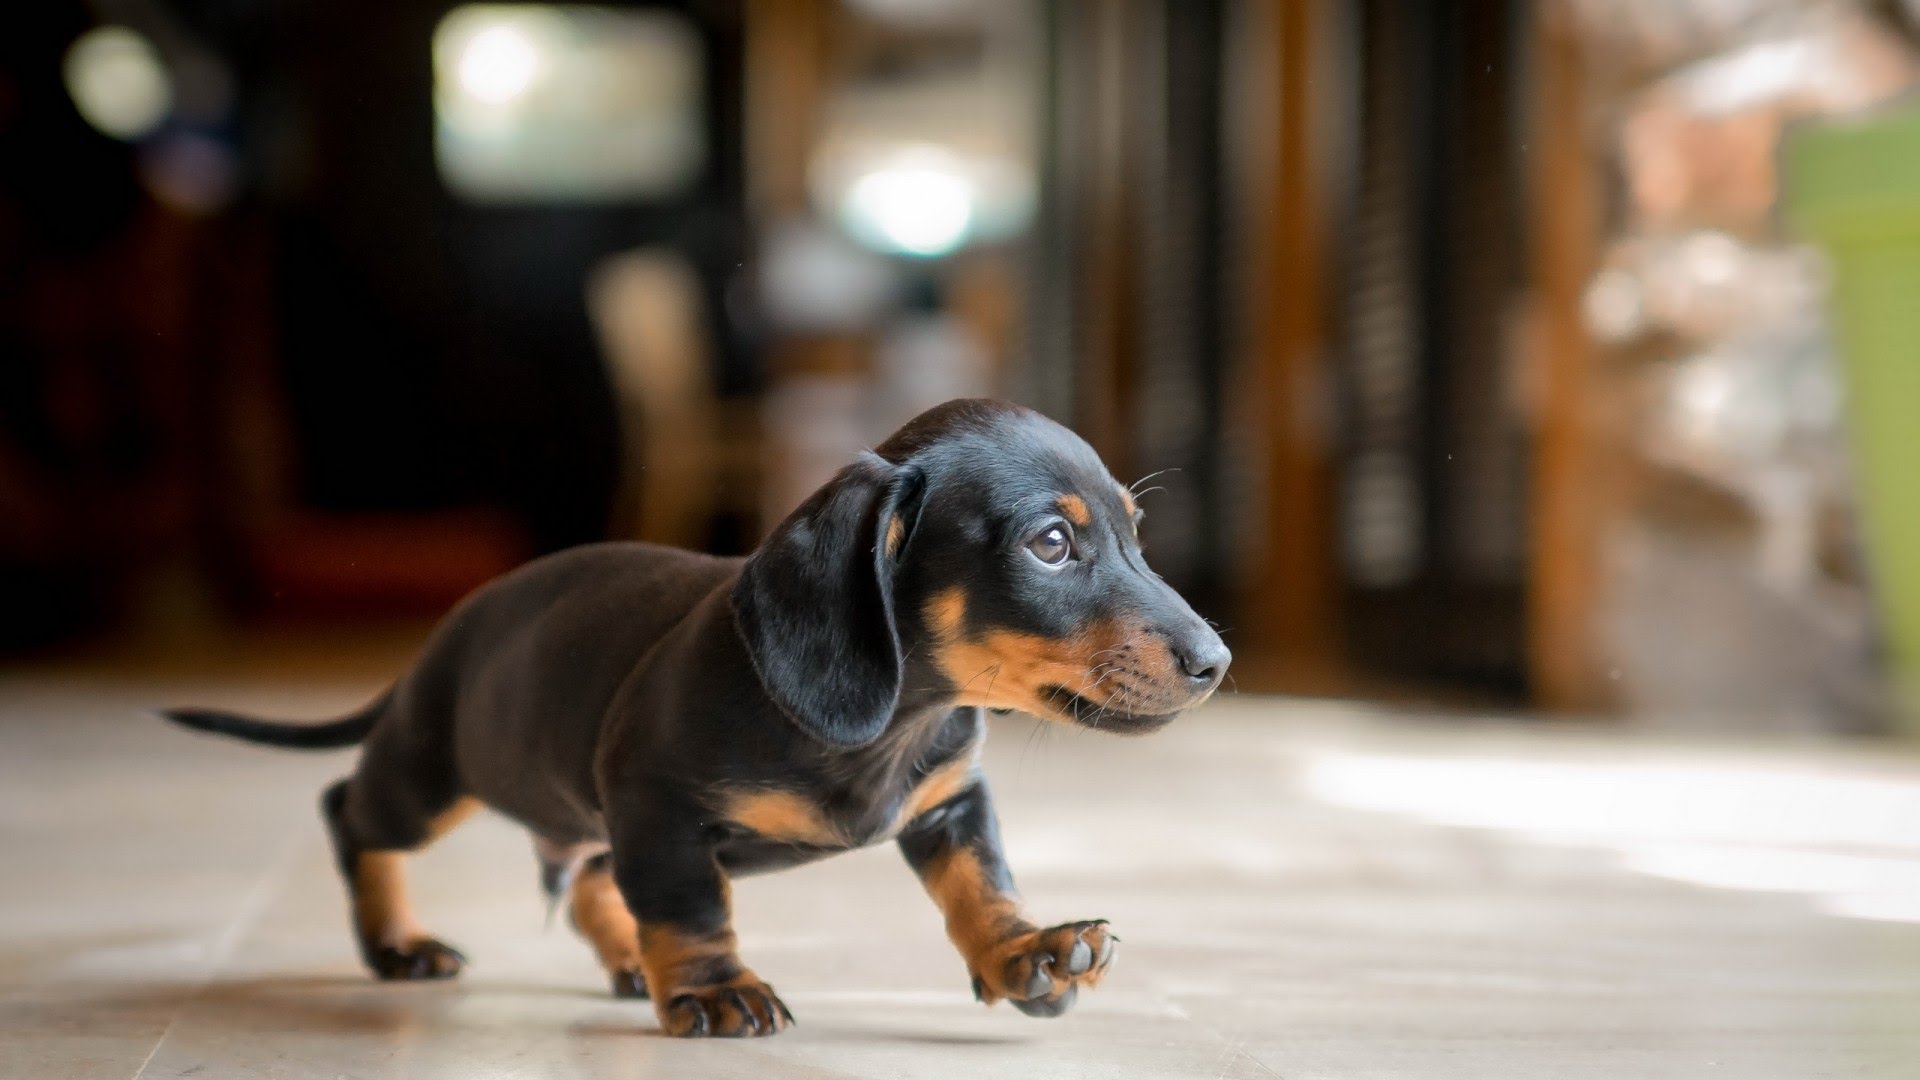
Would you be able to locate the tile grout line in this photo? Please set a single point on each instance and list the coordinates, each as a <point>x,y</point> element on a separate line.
<point>258,897</point>
<point>1234,1047</point>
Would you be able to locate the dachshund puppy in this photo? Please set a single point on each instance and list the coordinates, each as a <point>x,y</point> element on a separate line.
<point>662,721</point>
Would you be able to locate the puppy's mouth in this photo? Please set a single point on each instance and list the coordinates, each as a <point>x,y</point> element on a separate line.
<point>1086,712</point>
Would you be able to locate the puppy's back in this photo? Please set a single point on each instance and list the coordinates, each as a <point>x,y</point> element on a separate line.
<point>524,669</point>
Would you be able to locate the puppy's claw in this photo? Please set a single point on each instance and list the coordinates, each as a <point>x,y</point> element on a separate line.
<point>1040,983</point>
<point>688,1017</point>
<point>750,1021</point>
<point>1081,958</point>
<point>738,1010</point>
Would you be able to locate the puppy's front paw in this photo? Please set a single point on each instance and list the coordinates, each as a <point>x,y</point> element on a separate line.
<point>1041,972</point>
<point>740,1007</point>
<point>421,958</point>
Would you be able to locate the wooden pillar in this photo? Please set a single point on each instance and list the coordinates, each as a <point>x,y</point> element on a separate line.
<point>1569,481</point>
<point>786,70</point>
<point>1289,611</point>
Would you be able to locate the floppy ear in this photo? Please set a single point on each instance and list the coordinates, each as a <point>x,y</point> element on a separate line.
<point>815,603</point>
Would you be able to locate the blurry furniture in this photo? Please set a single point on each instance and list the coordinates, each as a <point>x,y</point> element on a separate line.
<point>1693,396</point>
<point>688,457</point>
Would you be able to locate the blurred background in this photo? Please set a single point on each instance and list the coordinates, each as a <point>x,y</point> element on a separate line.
<point>1474,348</point>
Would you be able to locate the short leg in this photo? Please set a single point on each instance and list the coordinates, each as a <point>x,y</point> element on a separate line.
<point>955,848</point>
<point>372,836</point>
<point>669,874</point>
<point>597,910</point>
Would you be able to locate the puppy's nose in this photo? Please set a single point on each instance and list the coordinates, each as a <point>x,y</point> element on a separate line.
<point>1203,662</point>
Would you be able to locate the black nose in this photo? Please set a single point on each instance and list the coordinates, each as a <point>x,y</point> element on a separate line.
<point>1205,662</point>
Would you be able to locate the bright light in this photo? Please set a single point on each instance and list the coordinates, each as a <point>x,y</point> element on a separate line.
<point>1766,868</point>
<point>118,82</point>
<point>567,102</point>
<point>919,205</point>
<point>1848,841</point>
<point>1712,258</point>
<point>498,64</point>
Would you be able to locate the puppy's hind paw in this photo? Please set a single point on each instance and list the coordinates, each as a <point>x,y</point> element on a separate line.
<point>420,959</point>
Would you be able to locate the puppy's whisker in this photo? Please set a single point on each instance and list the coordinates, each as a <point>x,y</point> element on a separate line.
<point>1038,734</point>
<point>1135,486</point>
<point>994,668</point>
<point>1111,672</point>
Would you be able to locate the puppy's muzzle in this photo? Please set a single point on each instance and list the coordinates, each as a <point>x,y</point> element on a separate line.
<point>1203,661</point>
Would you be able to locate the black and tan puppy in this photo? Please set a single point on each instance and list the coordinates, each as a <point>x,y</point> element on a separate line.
<point>662,721</point>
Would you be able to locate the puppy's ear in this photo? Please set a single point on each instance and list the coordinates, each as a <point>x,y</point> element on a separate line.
<point>815,603</point>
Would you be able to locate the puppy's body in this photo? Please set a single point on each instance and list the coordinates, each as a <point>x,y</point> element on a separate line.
<point>662,720</point>
<point>520,681</point>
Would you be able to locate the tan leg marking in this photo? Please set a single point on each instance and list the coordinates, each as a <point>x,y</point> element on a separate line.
<point>381,909</point>
<point>600,913</point>
<point>699,986</point>
<point>445,821</point>
<point>979,916</point>
<point>678,962</point>
<point>1008,956</point>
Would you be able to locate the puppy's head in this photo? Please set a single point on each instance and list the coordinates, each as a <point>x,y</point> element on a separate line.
<point>985,552</point>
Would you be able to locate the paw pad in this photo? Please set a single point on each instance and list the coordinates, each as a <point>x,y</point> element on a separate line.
<point>1041,972</point>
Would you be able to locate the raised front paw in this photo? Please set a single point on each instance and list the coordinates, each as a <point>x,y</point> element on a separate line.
<point>739,1007</point>
<point>1041,972</point>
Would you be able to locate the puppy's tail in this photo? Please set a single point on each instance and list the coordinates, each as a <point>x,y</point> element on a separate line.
<point>345,731</point>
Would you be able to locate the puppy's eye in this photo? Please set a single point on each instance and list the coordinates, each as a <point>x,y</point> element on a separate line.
<point>1052,547</point>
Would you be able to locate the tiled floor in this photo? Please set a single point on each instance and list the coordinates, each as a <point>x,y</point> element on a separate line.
<point>1305,891</point>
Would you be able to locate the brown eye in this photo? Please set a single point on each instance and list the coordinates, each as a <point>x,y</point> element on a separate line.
<point>1052,546</point>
